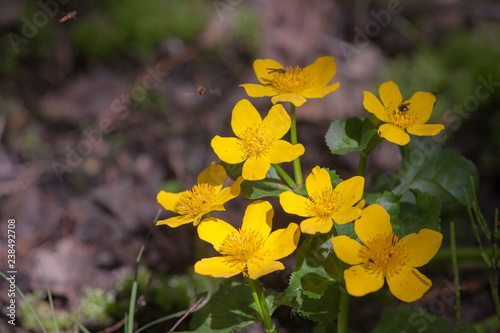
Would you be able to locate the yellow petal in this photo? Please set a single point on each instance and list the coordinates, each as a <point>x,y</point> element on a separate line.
<point>316,224</point>
<point>323,70</point>
<point>393,134</point>
<point>425,129</point>
<point>351,190</point>
<point>258,267</point>
<point>228,149</point>
<point>390,93</point>
<point>255,168</point>
<point>263,70</point>
<point>295,99</point>
<point>214,231</point>
<point>374,220</point>
<point>281,243</point>
<point>422,103</point>
<point>229,193</point>
<point>216,267</point>
<point>373,105</point>
<point>320,92</point>
<point>422,246</point>
<point>214,175</point>
<point>168,200</point>
<point>360,282</point>
<point>346,215</point>
<point>277,123</point>
<point>293,203</point>
<point>175,221</point>
<point>257,90</point>
<point>244,115</point>
<point>318,181</point>
<point>282,151</point>
<point>409,284</point>
<point>258,217</point>
<point>347,249</point>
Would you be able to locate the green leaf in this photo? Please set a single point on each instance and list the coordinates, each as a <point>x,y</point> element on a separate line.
<point>230,308</point>
<point>233,170</point>
<point>353,134</point>
<point>388,200</point>
<point>270,186</point>
<point>430,169</point>
<point>404,318</point>
<point>313,288</point>
<point>424,213</point>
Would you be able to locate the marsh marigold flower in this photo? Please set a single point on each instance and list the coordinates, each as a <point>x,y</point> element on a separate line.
<point>292,84</point>
<point>385,256</point>
<point>252,250</point>
<point>206,196</point>
<point>325,204</point>
<point>258,141</point>
<point>402,116</point>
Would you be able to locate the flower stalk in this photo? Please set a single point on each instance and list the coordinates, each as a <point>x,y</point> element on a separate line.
<point>260,300</point>
<point>297,169</point>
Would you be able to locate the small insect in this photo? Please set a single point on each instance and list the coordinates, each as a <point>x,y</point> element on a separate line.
<point>403,107</point>
<point>69,16</point>
<point>203,91</point>
<point>276,70</point>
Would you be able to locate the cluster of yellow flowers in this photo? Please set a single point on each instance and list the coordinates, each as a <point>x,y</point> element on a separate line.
<point>253,249</point>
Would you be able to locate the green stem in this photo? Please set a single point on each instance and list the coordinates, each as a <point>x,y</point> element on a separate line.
<point>286,177</point>
<point>363,158</point>
<point>362,163</point>
<point>458,324</point>
<point>343,317</point>
<point>260,300</point>
<point>297,169</point>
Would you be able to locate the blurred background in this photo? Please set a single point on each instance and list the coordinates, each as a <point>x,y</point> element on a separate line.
<point>101,111</point>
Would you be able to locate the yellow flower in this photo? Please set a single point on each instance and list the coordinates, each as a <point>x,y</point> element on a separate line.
<point>257,141</point>
<point>203,198</point>
<point>293,85</point>
<point>253,250</point>
<point>402,116</point>
<point>325,204</point>
<point>385,256</point>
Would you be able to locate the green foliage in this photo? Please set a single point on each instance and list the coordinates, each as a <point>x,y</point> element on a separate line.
<point>427,167</point>
<point>137,28</point>
<point>44,312</point>
<point>440,69</point>
<point>313,288</point>
<point>272,185</point>
<point>409,319</point>
<point>94,305</point>
<point>353,134</point>
<point>230,308</point>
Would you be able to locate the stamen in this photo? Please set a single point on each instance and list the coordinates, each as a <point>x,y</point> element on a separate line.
<point>401,115</point>
<point>324,204</point>
<point>292,80</point>
<point>384,254</point>
<point>240,247</point>
<point>254,142</point>
<point>195,202</point>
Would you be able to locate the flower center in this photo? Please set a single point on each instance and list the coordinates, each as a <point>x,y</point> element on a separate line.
<point>197,201</point>
<point>240,247</point>
<point>384,254</point>
<point>401,115</point>
<point>254,142</point>
<point>292,80</point>
<point>324,204</point>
